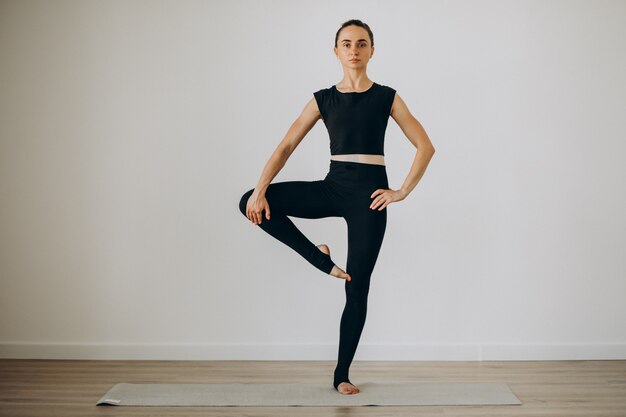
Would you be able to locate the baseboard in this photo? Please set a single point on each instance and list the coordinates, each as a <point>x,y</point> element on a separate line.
<point>420,352</point>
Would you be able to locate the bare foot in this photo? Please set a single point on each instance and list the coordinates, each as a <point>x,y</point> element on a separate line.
<point>336,271</point>
<point>347,388</point>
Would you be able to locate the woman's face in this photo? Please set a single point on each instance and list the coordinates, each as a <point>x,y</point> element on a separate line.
<point>354,43</point>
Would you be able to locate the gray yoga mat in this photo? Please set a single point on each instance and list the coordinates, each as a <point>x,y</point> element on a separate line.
<point>272,395</point>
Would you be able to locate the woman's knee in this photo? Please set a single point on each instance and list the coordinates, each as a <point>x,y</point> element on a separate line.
<point>357,292</point>
<point>244,201</point>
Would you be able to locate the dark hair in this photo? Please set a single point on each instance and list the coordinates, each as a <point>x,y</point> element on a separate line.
<point>355,22</point>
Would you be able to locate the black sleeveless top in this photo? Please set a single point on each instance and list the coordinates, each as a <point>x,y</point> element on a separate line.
<point>356,122</point>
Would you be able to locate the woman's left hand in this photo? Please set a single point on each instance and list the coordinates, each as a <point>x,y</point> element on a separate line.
<point>384,197</point>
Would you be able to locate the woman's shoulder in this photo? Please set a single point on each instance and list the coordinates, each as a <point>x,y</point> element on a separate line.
<point>387,88</point>
<point>323,90</point>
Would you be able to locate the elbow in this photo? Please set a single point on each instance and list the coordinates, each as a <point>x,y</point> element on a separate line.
<point>429,150</point>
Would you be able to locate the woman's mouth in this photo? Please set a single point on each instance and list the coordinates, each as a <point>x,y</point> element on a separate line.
<point>354,60</point>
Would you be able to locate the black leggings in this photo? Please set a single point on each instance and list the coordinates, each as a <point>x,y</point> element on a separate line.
<point>344,192</point>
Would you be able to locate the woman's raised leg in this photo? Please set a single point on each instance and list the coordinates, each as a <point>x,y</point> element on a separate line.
<point>305,199</point>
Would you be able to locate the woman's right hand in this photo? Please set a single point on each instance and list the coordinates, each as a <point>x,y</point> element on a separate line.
<point>254,209</point>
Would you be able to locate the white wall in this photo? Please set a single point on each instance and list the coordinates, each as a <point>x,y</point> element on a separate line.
<point>130,129</point>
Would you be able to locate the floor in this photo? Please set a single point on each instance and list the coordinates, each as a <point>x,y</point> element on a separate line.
<point>546,388</point>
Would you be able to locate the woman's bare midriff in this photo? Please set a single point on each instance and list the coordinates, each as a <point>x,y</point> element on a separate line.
<point>360,157</point>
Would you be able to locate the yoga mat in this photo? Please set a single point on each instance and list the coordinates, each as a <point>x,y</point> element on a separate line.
<point>295,394</point>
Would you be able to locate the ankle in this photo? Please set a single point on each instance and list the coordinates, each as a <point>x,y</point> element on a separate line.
<point>327,263</point>
<point>338,380</point>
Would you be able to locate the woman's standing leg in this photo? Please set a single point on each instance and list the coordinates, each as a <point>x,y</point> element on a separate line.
<point>366,230</point>
<point>306,199</point>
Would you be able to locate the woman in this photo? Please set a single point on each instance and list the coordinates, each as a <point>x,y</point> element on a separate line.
<point>355,112</point>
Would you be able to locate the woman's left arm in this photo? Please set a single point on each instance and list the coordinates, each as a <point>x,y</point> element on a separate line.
<point>425,150</point>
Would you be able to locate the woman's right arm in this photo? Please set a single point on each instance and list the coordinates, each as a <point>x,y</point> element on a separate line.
<point>298,130</point>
